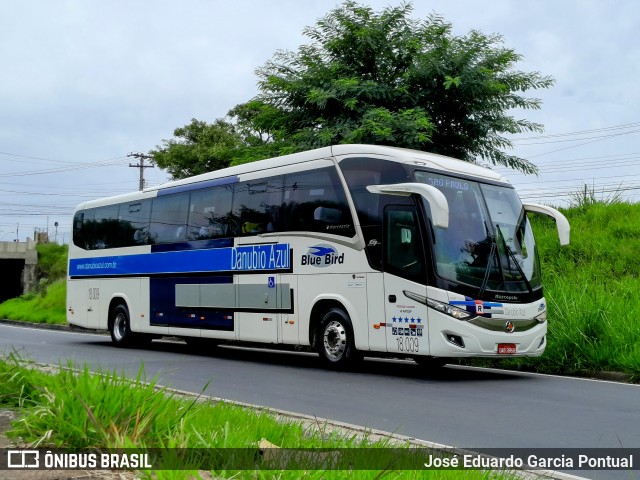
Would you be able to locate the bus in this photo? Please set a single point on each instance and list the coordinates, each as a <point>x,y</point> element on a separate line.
<point>348,250</point>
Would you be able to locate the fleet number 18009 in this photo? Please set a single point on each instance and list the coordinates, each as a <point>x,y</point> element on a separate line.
<point>408,344</point>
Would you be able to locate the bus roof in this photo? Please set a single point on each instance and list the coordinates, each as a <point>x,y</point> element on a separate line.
<point>403,155</point>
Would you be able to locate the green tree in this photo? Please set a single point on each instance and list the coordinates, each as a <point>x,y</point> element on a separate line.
<point>385,78</point>
<point>263,129</point>
<point>372,77</point>
<point>199,147</point>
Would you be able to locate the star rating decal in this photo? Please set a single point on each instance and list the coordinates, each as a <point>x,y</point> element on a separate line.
<point>412,320</point>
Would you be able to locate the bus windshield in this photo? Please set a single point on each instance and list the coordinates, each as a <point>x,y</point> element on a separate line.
<point>489,243</point>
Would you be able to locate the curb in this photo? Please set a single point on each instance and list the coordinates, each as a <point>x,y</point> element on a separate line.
<point>50,326</point>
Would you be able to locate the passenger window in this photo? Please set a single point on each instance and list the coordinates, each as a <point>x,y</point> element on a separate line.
<point>256,206</point>
<point>84,229</point>
<point>105,228</point>
<point>169,218</point>
<point>79,239</point>
<point>209,213</point>
<point>134,223</point>
<point>315,201</point>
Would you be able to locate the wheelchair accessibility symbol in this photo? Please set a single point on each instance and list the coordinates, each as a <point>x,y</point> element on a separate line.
<point>272,282</point>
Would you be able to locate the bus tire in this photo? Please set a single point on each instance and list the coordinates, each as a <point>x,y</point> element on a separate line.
<point>335,342</point>
<point>119,326</point>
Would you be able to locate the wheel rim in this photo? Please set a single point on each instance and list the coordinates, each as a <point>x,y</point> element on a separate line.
<point>119,326</point>
<point>335,340</point>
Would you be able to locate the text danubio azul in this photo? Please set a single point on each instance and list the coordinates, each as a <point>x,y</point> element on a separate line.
<point>260,257</point>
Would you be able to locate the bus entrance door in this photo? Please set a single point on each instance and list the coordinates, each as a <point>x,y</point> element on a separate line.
<point>404,277</point>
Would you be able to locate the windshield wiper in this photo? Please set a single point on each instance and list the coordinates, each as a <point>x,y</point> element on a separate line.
<point>512,258</point>
<point>487,272</point>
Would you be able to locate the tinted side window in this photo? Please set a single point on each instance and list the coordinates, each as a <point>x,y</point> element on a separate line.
<point>104,228</point>
<point>257,206</point>
<point>78,232</point>
<point>404,254</point>
<point>134,223</point>
<point>169,218</point>
<point>315,201</point>
<point>209,213</point>
<point>360,172</point>
<point>86,230</point>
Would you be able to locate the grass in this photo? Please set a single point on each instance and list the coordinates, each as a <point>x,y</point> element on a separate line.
<point>52,261</point>
<point>80,410</point>
<point>591,289</point>
<point>47,306</point>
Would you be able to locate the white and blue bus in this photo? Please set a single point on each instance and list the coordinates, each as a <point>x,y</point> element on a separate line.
<point>349,250</point>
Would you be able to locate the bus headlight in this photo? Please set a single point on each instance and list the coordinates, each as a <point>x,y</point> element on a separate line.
<point>542,317</point>
<point>445,308</point>
<point>450,310</point>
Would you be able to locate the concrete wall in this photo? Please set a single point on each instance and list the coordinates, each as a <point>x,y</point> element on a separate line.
<point>22,251</point>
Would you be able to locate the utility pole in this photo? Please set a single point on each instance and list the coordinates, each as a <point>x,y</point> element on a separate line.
<point>142,157</point>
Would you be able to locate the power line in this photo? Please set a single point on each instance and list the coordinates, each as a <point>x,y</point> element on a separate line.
<point>103,163</point>
<point>575,180</point>
<point>584,166</point>
<point>55,194</point>
<point>582,132</point>
<point>37,158</point>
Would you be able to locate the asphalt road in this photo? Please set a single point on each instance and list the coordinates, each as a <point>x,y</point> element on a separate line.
<point>458,406</point>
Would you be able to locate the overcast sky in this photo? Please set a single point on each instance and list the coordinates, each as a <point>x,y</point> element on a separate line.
<point>85,82</point>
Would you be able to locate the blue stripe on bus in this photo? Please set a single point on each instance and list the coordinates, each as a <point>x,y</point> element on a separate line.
<point>248,258</point>
<point>198,185</point>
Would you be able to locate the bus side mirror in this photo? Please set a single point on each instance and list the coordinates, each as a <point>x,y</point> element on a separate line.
<point>561,221</point>
<point>434,197</point>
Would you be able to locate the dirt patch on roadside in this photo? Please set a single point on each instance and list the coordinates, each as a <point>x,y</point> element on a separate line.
<point>6,417</point>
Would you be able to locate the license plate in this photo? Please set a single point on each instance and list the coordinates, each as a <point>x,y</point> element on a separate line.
<point>506,348</point>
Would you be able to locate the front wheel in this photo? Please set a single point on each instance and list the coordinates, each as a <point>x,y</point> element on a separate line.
<point>334,340</point>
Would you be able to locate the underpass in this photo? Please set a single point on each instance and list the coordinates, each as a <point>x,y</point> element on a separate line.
<point>18,261</point>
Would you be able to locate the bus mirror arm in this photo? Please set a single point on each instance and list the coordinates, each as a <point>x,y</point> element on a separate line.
<point>434,197</point>
<point>561,221</point>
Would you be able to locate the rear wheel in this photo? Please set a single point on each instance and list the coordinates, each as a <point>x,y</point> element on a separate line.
<point>120,329</point>
<point>334,340</point>
<point>119,326</point>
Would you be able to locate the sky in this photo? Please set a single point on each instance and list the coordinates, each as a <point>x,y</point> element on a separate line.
<point>83,83</point>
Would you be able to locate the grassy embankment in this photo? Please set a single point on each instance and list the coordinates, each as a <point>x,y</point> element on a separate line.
<point>70,410</point>
<point>591,287</point>
<point>47,303</point>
